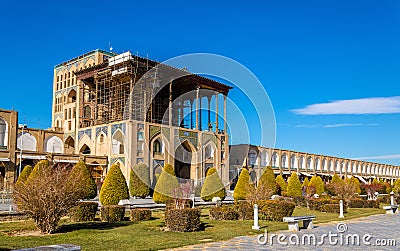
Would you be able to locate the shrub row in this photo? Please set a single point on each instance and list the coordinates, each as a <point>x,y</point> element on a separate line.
<point>299,201</point>
<point>318,204</point>
<point>223,213</point>
<point>275,210</point>
<point>331,208</point>
<point>360,203</point>
<point>182,220</point>
<point>140,214</point>
<point>84,211</point>
<point>112,213</point>
<point>272,210</point>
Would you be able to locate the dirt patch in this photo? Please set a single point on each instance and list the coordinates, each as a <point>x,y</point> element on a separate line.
<point>25,233</point>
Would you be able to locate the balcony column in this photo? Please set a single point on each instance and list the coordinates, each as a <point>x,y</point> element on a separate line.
<point>216,113</point>
<point>225,124</point>
<point>209,126</point>
<point>197,108</point>
<point>170,105</point>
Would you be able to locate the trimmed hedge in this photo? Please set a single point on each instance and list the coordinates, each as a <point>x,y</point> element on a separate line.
<point>80,170</point>
<point>299,201</point>
<point>139,181</point>
<point>140,214</point>
<point>331,208</point>
<point>244,209</point>
<point>183,220</point>
<point>360,203</point>
<point>167,185</point>
<point>171,204</point>
<point>84,211</point>
<point>273,210</point>
<point>318,204</point>
<point>112,213</point>
<point>114,187</point>
<point>213,186</point>
<point>223,213</point>
<point>384,199</point>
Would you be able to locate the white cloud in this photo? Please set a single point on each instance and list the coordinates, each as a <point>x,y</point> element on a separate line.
<point>383,105</point>
<point>333,125</point>
<point>394,156</point>
<point>347,125</point>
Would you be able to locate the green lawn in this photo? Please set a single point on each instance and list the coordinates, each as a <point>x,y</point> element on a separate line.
<point>148,235</point>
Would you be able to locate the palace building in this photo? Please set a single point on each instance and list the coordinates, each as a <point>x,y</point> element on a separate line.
<point>124,109</point>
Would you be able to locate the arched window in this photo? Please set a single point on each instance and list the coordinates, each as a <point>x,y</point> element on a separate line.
<point>53,144</point>
<point>85,149</point>
<point>157,148</point>
<point>101,139</point>
<point>274,159</point>
<point>87,112</point>
<point>310,163</point>
<point>284,161</point>
<point>264,158</point>
<point>3,133</point>
<point>72,96</point>
<point>209,152</point>
<point>293,162</point>
<point>118,143</point>
<point>26,142</point>
<point>252,157</point>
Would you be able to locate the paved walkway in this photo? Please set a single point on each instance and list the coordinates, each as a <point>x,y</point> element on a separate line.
<point>373,231</point>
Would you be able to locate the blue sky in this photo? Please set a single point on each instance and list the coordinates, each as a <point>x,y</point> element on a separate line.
<point>309,56</point>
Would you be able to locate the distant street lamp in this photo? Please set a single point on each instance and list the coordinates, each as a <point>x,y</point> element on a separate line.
<point>21,126</point>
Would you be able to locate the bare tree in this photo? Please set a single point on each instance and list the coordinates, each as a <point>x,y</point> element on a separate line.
<point>48,194</point>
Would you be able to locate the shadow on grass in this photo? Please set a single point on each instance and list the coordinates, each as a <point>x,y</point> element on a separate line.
<point>93,225</point>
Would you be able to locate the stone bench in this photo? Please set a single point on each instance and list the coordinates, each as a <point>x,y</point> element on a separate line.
<point>59,247</point>
<point>392,209</point>
<point>294,222</point>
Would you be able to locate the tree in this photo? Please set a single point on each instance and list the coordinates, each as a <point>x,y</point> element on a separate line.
<point>213,186</point>
<point>114,187</point>
<point>243,187</point>
<point>24,175</point>
<point>266,184</point>
<point>355,183</point>
<point>139,182</point>
<point>294,186</point>
<point>396,186</point>
<point>167,185</point>
<point>306,182</point>
<point>319,185</point>
<point>48,194</point>
<point>280,181</point>
<point>88,183</point>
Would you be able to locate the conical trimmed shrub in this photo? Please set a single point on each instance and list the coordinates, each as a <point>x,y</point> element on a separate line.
<point>37,170</point>
<point>306,182</point>
<point>80,170</point>
<point>266,184</point>
<point>114,187</point>
<point>23,177</point>
<point>318,184</point>
<point>294,186</point>
<point>167,185</point>
<point>280,181</point>
<point>243,186</point>
<point>139,181</point>
<point>213,186</point>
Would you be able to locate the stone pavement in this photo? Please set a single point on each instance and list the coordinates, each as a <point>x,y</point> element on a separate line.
<point>373,232</point>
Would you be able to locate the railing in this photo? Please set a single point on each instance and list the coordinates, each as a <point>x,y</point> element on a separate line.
<point>5,197</point>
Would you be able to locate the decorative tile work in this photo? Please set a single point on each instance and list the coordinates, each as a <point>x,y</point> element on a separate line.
<point>113,160</point>
<point>72,134</point>
<point>101,129</point>
<point>115,127</point>
<point>154,130</point>
<point>166,132</point>
<point>62,91</point>
<point>182,135</point>
<point>140,126</point>
<point>88,132</point>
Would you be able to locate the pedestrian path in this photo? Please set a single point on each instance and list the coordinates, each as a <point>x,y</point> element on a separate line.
<point>378,232</point>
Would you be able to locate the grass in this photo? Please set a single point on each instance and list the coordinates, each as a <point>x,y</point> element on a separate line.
<point>148,235</point>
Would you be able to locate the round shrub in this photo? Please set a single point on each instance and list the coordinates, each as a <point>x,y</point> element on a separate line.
<point>243,186</point>
<point>167,185</point>
<point>183,220</point>
<point>223,213</point>
<point>213,186</point>
<point>140,214</point>
<point>294,186</point>
<point>84,211</point>
<point>114,187</point>
<point>112,213</point>
<point>23,177</point>
<point>82,172</point>
<point>139,182</point>
<point>266,184</point>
